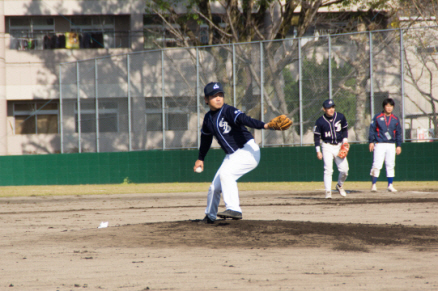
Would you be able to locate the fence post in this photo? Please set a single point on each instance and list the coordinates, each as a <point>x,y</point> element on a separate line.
<point>128,69</point>
<point>330,66</point>
<point>402,80</point>
<point>371,76</point>
<point>79,107</point>
<point>234,75</point>
<point>96,104</point>
<point>60,110</point>
<point>300,85</point>
<point>262,88</point>
<point>197,100</point>
<point>163,108</point>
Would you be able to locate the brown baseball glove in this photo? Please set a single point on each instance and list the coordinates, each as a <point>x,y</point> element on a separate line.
<point>343,152</point>
<point>281,122</point>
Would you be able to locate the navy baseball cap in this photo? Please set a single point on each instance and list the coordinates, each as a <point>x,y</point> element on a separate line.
<point>328,103</point>
<point>213,88</point>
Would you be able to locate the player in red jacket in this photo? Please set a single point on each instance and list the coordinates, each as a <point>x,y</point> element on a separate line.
<point>385,141</point>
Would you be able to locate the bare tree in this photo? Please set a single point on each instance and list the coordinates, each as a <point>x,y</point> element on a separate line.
<point>420,57</point>
<point>269,20</point>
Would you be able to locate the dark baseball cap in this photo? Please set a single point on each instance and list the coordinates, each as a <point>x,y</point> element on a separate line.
<point>328,103</point>
<point>213,88</point>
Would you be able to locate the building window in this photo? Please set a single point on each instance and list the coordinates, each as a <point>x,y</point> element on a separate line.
<point>203,34</point>
<point>153,32</point>
<point>108,116</point>
<point>176,114</point>
<point>432,50</point>
<point>156,34</point>
<point>36,117</point>
<point>174,121</point>
<point>83,32</point>
<point>27,33</point>
<point>94,31</point>
<point>217,19</point>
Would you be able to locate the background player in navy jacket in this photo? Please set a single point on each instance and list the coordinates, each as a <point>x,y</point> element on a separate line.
<point>227,124</point>
<point>385,140</point>
<point>332,130</point>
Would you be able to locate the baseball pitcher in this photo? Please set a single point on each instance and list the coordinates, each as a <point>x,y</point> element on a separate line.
<point>227,124</point>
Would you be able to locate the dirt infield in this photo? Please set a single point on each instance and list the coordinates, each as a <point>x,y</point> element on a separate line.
<point>288,240</point>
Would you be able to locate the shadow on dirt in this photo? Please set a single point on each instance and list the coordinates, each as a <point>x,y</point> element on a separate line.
<point>257,234</point>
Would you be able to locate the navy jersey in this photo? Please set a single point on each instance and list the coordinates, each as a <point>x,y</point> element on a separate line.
<point>385,129</point>
<point>227,125</point>
<point>330,129</point>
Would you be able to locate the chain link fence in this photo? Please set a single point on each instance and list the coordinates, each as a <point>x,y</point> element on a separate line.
<point>154,99</point>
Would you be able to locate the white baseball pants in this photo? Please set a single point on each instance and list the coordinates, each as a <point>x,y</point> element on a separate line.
<point>233,167</point>
<point>330,152</point>
<point>383,152</point>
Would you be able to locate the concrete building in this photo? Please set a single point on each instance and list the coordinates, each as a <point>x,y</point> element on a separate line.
<point>36,37</point>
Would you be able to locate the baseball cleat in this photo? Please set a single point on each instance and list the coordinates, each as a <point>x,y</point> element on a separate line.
<point>391,188</point>
<point>374,188</point>
<point>341,190</point>
<point>206,220</point>
<point>328,194</point>
<point>230,214</point>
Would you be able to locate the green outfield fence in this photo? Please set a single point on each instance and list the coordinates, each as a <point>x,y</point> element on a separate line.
<point>418,162</point>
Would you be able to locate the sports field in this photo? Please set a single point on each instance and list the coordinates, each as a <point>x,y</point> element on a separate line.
<point>290,238</point>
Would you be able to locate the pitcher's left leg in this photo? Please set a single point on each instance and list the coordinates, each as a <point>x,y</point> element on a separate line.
<point>213,196</point>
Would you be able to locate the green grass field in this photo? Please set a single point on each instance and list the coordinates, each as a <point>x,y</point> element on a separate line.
<point>130,188</point>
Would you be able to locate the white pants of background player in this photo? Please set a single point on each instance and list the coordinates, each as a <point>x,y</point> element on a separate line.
<point>233,167</point>
<point>383,152</point>
<point>330,152</point>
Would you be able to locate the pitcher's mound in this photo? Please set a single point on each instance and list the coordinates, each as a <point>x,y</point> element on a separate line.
<point>256,234</point>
